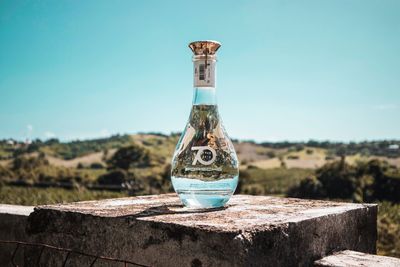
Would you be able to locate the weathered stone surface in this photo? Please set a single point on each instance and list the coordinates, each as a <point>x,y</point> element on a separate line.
<point>250,231</point>
<point>349,258</point>
<point>13,220</point>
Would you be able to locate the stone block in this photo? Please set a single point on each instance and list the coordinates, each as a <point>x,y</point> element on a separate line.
<point>13,219</point>
<point>158,231</point>
<point>349,258</point>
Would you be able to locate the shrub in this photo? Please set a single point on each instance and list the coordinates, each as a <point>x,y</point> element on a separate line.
<point>130,156</point>
<point>96,165</point>
<point>80,166</point>
<point>114,177</point>
<point>28,163</point>
<point>309,187</point>
<point>252,167</point>
<point>309,151</point>
<point>271,154</point>
<point>338,179</point>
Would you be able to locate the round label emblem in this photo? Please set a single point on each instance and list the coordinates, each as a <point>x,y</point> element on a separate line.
<point>205,155</point>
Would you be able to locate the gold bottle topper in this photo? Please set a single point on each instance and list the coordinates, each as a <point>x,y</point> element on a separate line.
<point>204,47</point>
<point>204,60</point>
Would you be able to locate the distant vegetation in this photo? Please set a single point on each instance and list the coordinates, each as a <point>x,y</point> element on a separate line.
<point>139,164</point>
<point>389,229</point>
<point>386,148</point>
<point>365,182</point>
<point>43,172</point>
<point>56,148</point>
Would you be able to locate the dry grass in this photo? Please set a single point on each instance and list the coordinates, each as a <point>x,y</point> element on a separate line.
<point>84,160</point>
<point>267,163</point>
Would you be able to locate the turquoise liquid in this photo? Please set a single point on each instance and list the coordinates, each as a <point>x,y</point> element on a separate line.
<point>195,193</point>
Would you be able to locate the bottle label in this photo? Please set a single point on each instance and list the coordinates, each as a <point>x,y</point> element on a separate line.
<point>205,155</point>
<point>204,73</point>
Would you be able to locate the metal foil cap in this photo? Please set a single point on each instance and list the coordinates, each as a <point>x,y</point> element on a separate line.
<point>206,47</point>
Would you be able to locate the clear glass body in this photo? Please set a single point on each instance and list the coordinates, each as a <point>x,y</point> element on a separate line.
<point>205,168</point>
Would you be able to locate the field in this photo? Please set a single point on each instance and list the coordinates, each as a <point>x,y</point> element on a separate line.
<point>276,181</point>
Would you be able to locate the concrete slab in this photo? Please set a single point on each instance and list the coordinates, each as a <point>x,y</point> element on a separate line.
<point>16,209</point>
<point>349,258</point>
<point>158,231</point>
<point>13,220</point>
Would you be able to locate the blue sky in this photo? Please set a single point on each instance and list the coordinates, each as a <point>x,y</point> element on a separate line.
<point>287,70</point>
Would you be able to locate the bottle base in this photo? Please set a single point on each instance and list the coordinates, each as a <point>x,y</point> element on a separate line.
<point>195,193</point>
<point>204,199</point>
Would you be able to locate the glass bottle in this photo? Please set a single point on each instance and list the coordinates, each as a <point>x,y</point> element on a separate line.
<point>205,167</point>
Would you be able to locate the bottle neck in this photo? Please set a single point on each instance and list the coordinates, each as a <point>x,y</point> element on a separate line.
<point>204,71</point>
<point>204,96</point>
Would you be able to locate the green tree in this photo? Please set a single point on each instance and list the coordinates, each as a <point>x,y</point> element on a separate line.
<point>29,163</point>
<point>130,156</point>
<point>338,179</point>
<point>309,187</point>
<point>114,177</point>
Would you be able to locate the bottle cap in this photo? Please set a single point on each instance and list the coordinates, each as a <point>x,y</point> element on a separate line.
<point>206,47</point>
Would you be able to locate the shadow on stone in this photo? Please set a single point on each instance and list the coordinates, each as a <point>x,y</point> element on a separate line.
<point>172,209</point>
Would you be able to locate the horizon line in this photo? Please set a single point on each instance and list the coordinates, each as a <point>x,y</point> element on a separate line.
<point>250,140</point>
